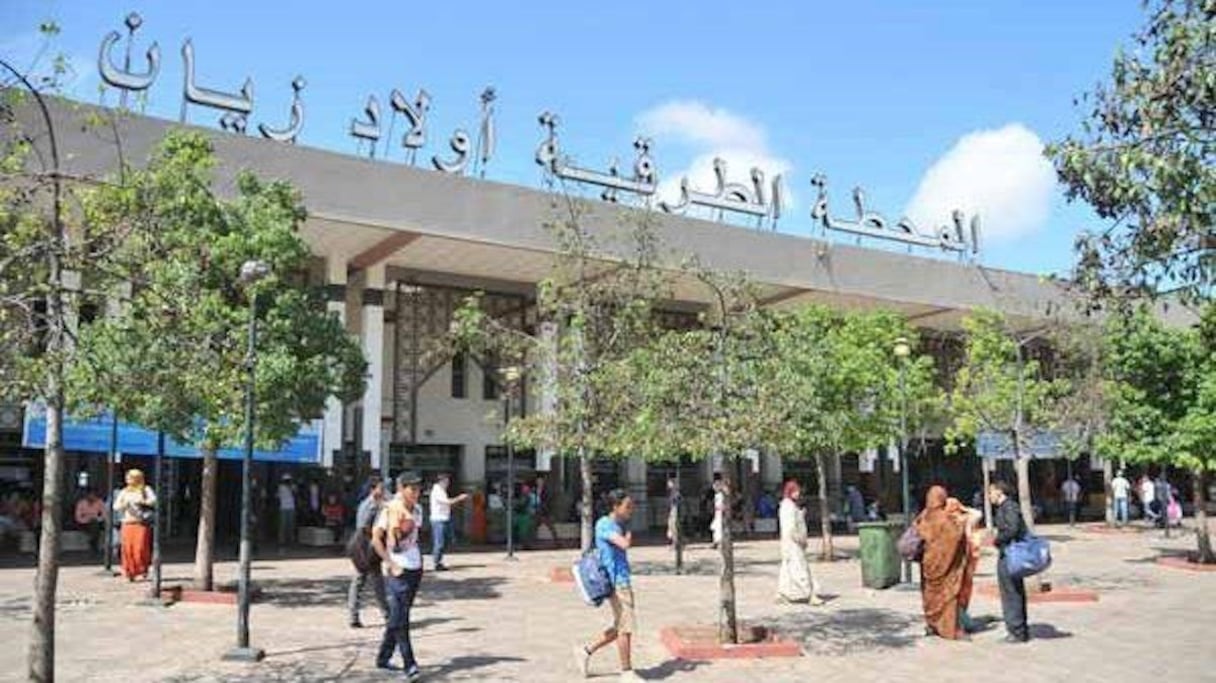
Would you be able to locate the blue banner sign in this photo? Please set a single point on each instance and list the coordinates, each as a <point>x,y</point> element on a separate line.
<point>999,446</point>
<point>92,435</point>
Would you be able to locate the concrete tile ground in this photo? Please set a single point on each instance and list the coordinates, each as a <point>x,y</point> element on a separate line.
<point>492,620</point>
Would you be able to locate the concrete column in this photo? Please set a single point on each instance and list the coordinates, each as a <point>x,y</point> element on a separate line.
<point>372,336</point>
<point>635,484</point>
<point>71,280</point>
<point>335,303</point>
<point>547,385</point>
<point>771,471</point>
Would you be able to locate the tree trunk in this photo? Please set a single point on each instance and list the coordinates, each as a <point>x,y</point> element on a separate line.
<point>1108,472</point>
<point>1206,556</point>
<point>825,513</point>
<point>1022,465</point>
<point>204,549</point>
<point>586,514</point>
<point>728,621</point>
<point>42,636</point>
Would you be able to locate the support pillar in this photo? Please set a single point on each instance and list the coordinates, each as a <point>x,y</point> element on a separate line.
<point>635,485</point>
<point>335,303</point>
<point>771,472</point>
<point>372,333</point>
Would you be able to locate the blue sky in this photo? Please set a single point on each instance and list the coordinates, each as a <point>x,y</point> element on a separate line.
<point>924,104</point>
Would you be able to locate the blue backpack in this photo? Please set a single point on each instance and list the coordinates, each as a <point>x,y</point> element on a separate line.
<point>591,578</point>
<point>1027,556</point>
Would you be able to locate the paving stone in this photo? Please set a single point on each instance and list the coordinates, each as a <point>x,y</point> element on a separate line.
<point>493,620</point>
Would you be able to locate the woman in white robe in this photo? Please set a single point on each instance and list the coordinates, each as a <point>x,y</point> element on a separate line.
<point>794,583</point>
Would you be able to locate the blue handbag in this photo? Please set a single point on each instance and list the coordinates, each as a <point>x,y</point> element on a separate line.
<point>591,578</point>
<point>1027,556</point>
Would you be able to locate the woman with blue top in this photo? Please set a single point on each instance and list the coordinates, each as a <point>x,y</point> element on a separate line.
<point>612,541</point>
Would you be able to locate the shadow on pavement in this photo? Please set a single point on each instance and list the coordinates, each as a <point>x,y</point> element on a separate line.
<point>442,587</point>
<point>668,669</point>
<point>333,590</point>
<point>303,592</point>
<point>1047,632</point>
<point>698,567</point>
<point>459,664</point>
<point>848,631</point>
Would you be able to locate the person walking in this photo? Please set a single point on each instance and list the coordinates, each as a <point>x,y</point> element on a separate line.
<point>287,512</point>
<point>715,526</point>
<point>395,540</point>
<point>544,509</point>
<point>943,567</point>
<point>366,560</point>
<point>970,519</point>
<point>1147,491</point>
<point>794,582</point>
<point>1161,494</point>
<point>1120,489</point>
<point>673,512</point>
<point>1071,491</point>
<point>1010,527</point>
<point>137,505</point>
<point>613,540</point>
<point>441,517</point>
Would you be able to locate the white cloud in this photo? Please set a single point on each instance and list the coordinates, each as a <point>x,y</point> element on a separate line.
<point>710,132</point>
<point>1000,174</point>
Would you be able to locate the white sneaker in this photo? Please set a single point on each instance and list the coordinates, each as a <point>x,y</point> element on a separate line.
<point>630,677</point>
<point>582,660</point>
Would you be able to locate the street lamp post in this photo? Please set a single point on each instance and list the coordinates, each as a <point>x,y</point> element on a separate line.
<point>157,527</point>
<point>111,456</point>
<point>251,273</point>
<point>902,351</point>
<point>510,376</point>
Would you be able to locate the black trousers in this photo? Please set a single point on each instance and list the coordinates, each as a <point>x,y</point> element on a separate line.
<point>401,591</point>
<point>1013,601</point>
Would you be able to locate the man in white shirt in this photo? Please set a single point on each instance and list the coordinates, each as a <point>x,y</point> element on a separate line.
<point>1072,498</point>
<point>1120,489</point>
<point>441,517</point>
<point>287,511</point>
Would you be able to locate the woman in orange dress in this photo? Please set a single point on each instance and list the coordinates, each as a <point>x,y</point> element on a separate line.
<point>137,505</point>
<point>969,518</point>
<point>943,566</point>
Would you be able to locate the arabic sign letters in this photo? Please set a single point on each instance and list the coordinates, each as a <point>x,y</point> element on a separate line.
<point>761,199</point>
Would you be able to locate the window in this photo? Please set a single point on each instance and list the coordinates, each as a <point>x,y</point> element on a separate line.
<point>489,379</point>
<point>459,382</point>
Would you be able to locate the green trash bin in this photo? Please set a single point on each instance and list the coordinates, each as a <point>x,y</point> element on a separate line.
<point>880,562</point>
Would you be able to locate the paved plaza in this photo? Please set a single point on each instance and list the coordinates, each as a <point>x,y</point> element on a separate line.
<point>493,620</point>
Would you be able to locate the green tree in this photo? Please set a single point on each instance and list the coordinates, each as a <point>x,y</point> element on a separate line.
<point>174,358</point>
<point>1162,400</point>
<point>702,392</point>
<point>51,262</point>
<point>839,382</point>
<point>596,304</point>
<point>1003,388</point>
<point>1145,159</point>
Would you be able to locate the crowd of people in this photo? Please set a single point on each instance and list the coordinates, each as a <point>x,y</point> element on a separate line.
<point>386,551</point>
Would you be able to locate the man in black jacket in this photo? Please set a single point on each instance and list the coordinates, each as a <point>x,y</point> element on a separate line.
<point>1007,518</point>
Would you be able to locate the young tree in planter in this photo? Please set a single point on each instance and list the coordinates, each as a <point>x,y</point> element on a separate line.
<point>596,305</point>
<point>52,262</point>
<point>704,392</point>
<point>175,359</point>
<point>840,388</point>
<point>1002,388</point>
<point>1162,407</point>
<point>1145,159</point>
